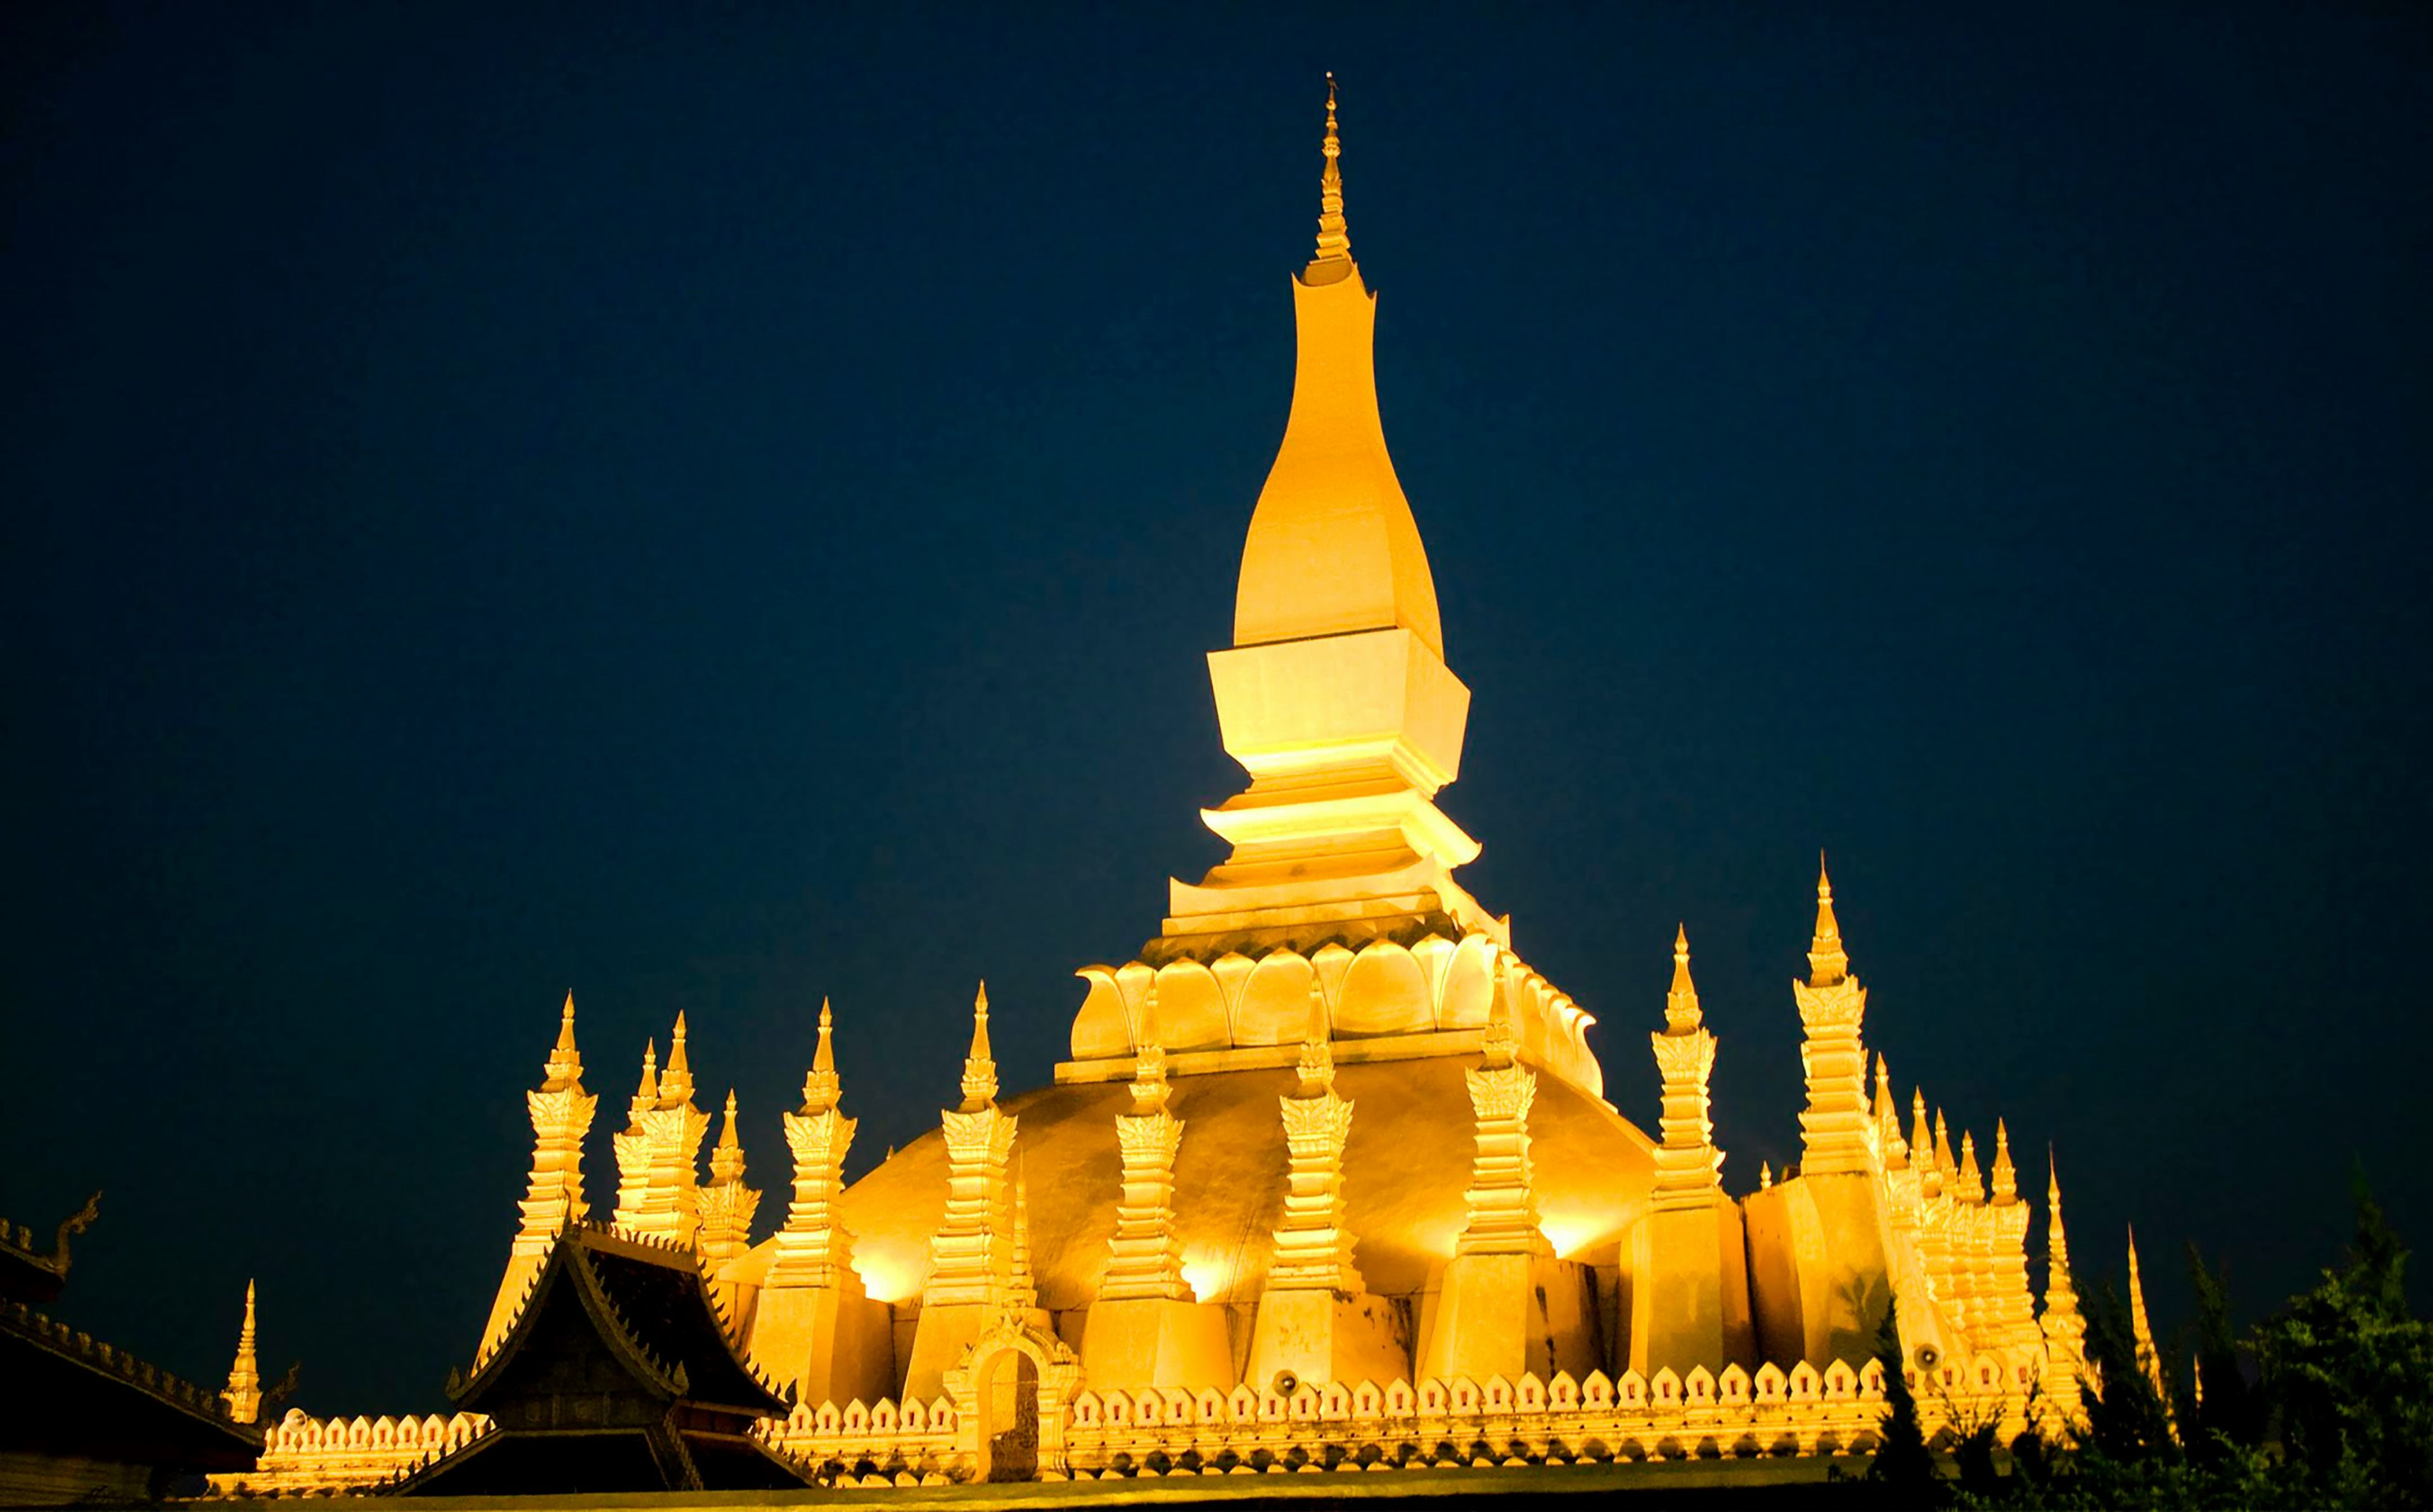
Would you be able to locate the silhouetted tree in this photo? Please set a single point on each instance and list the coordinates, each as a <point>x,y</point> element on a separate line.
<point>2349,1376</point>
<point>2125,1419</point>
<point>2223,1414</point>
<point>1903,1465</point>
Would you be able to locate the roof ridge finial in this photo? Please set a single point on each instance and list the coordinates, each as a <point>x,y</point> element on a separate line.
<point>1334,237</point>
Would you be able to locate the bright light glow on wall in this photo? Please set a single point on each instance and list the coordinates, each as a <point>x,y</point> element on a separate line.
<point>1208,1276</point>
<point>1568,1234</point>
<point>884,1282</point>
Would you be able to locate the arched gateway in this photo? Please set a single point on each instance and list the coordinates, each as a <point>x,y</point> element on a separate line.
<point>1010,1392</point>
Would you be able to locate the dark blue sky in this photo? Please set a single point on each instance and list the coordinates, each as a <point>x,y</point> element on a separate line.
<point>721,509</point>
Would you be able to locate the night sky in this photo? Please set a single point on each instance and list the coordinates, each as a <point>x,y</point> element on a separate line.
<point>718,509</point>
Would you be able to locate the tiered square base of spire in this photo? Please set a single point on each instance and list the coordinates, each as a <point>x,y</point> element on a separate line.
<point>1689,1290</point>
<point>1158,1341</point>
<point>1505,1314</point>
<point>1321,1336</point>
<point>830,1343</point>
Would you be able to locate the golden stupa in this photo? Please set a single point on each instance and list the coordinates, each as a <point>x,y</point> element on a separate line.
<point>1329,1179</point>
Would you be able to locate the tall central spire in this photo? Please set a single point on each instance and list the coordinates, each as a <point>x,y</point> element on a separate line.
<point>1334,695</point>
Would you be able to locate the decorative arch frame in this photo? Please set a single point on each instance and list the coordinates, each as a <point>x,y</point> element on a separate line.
<point>1059,1374</point>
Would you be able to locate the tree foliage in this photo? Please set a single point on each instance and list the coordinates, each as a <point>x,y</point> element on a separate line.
<point>2337,1412</point>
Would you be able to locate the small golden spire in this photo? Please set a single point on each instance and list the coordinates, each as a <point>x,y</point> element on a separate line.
<point>1921,1136</point>
<point>564,1066</point>
<point>726,1161</point>
<point>1317,1043</point>
<point>649,1091</point>
<point>1681,1012</point>
<point>243,1393</point>
<point>675,1086</point>
<point>1826,963</point>
<point>822,1087</point>
<point>1022,1286</point>
<point>1764,1175</point>
<point>1149,1066</point>
<point>2006,1177</point>
<point>2057,1277</point>
<point>1972,1181</point>
<point>2149,1361</point>
<point>980,1065</point>
<point>1888,1129</point>
<point>1500,1043</point>
<point>1334,238</point>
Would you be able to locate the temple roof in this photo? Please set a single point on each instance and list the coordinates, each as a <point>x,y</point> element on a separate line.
<point>31,1275</point>
<point>649,1309</point>
<point>74,1395</point>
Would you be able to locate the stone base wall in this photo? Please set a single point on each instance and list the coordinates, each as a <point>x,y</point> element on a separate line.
<point>312,1456</point>
<point>1495,1423</point>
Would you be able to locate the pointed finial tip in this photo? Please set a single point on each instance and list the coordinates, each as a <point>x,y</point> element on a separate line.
<point>823,1014</point>
<point>1681,939</point>
<point>979,1000</point>
<point>680,1024</point>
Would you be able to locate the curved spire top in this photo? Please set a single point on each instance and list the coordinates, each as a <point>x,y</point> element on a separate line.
<point>649,1090</point>
<point>564,1067</point>
<point>1334,237</point>
<point>1826,963</point>
<point>675,1082</point>
<point>820,1086</point>
<point>980,1065</point>
<point>1333,548</point>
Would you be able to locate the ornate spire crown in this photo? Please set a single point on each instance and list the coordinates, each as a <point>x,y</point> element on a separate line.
<point>1681,1012</point>
<point>1826,964</point>
<point>675,1084</point>
<point>2006,1177</point>
<point>980,1065</point>
<point>243,1393</point>
<point>1500,1043</point>
<point>1334,237</point>
<point>1316,1044</point>
<point>648,1093</point>
<point>726,1161</point>
<point>822,1087</point>
<point>1148,1066</point>
<point>2058,1281</point>
<point>565,1065</point>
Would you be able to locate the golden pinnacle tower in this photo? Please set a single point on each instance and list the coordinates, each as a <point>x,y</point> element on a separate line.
<point>1185,1251</point>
